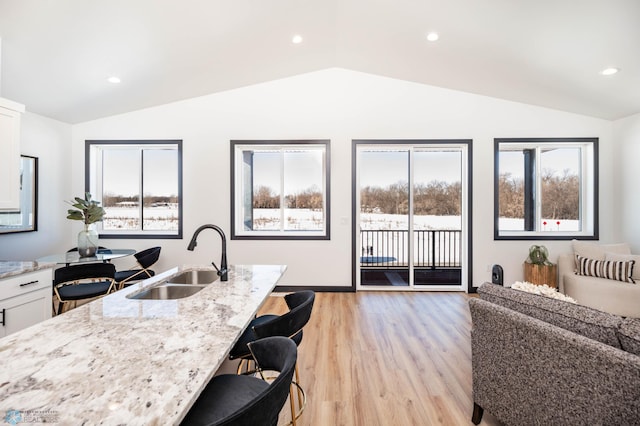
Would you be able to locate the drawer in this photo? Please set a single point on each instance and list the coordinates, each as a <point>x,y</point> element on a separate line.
<point>24,283</point>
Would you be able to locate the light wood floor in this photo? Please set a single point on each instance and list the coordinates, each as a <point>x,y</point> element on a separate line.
<point>385,358</point>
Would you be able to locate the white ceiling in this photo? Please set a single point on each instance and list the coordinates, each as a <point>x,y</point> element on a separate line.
<point>57,54</point>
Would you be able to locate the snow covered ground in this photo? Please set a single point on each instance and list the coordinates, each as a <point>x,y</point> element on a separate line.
<point>164,218</point>
<point>296,219</point>
<point>508,224</point>
<point>374,221</point>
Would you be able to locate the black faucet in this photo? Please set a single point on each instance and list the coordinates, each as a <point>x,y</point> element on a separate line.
<point>222,272</point>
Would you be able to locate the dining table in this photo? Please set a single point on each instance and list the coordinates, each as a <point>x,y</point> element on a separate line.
<point>125,360</point>
<point>73,257</point>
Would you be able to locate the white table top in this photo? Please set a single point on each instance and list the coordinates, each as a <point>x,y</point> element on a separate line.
<point>127,361</point>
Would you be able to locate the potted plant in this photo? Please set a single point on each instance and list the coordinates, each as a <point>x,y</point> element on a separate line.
<point>537,267</point>
<point>88,211</point>
<point>538,255</point>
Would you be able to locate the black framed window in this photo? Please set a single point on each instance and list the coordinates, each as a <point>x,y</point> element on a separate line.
<point>546,188</point>
<point>139,184</point>
<point>280,189</point>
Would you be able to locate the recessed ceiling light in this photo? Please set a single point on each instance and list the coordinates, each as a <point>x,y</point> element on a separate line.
<point>610,71</point>
<point>297,39</point>
<point>433,36</point>
<point>114,80</point>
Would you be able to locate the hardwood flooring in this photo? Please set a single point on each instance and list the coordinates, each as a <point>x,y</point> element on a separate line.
<point>385,358</point>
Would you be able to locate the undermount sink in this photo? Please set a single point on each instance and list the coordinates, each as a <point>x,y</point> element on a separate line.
<point>194,277</point>
<point>180,286</point>
<point>166,291</point>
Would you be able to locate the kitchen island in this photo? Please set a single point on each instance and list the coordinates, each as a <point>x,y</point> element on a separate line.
<point>129,361</point>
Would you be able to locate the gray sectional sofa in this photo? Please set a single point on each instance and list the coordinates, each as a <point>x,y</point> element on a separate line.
<point>541,361</point>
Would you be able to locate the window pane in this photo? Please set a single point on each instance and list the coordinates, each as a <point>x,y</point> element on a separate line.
<point>160,183</point>
<point>384,194</point>
<point>511,191</point>
<point>384,216</point>
<point>303,193</point>
<point>560,189</point>
<point>121,189</point>
<point>266,191</point>
<point>437,209</point>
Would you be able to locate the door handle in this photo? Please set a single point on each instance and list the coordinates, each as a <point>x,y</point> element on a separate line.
<point>3,317</point>
<point>29,283</point>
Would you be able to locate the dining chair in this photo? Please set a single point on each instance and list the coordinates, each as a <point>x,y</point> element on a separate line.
<point>240,400</point>
<point>290,325</point>
<point>145,258</point>
<point>84,281</point>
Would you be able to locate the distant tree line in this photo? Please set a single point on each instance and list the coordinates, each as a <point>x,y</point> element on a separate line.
<point>560,196</point>
<point>436,198</point>
<point>265,198</point>
<point>112,200</point>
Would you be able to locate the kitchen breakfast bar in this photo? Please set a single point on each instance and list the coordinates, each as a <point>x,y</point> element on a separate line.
<point>120,360</point>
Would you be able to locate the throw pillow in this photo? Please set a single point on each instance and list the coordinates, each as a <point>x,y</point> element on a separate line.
<point>597,251</point>
<point>624,257</point>
<point>609,269</point>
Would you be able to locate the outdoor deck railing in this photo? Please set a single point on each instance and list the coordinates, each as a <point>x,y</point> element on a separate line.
<point>431,248</point>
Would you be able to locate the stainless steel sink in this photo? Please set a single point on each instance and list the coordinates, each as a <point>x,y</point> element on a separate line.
<point>194,277</point>
<point>182,285</point>
<point>167,291</point>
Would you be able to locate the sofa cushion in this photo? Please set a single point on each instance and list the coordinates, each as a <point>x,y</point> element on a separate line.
<point>597,251</point>
<point>624,257</point>
<point>609,269</point>
<point>582,320</point>
<point>629,335</point>
<point>614,297</point>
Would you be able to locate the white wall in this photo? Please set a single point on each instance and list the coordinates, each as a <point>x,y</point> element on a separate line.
<point>50,141</point>
<point>627,136</point>
<point>339,105</point>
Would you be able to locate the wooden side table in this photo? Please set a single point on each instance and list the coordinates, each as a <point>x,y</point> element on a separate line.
<point>541,274</point>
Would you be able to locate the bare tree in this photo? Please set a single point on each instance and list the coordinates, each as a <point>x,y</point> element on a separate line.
<point>264,198</point>
<point>560,196</point>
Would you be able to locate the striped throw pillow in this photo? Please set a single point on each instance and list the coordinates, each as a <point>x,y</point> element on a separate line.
<point>610,269</point>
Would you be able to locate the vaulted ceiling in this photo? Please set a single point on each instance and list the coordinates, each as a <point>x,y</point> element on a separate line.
<point>57,54</point>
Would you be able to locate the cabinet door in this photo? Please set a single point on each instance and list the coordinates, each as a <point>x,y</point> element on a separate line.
<point>9,159</point>
<point>25,310</point>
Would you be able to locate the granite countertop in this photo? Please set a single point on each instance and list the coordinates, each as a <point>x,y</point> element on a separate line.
<point>127,361</point>
<point>9,268</point>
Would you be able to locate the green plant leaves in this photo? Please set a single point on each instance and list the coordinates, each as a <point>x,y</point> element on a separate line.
<point>538,255</point>
<point>88,210</point>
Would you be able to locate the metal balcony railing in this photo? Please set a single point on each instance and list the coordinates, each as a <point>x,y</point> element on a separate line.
<point>431,248</point>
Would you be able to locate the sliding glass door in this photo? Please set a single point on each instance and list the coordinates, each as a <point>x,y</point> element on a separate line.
<point>410,214</point>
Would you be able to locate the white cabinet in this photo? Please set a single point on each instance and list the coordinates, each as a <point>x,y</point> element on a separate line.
<point>10,115</point>
<point>25,300</point>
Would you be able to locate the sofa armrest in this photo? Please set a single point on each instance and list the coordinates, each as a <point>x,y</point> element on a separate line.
<point>566,266</point>
<point>526,371</point>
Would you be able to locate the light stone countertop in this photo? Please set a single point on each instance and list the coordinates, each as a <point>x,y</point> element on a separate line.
<point>125,361</point>
<point>10,268</point>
